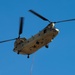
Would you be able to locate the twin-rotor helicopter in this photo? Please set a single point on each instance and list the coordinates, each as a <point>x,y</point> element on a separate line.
<point>28,46</point>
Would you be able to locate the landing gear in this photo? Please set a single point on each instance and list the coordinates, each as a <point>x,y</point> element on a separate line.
<point>18,52</point>
<point>28,56</point>
<point>46,46</point>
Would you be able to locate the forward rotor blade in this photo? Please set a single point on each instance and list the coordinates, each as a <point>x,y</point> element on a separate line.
<point>39,15</point>
<point>8,40</point>
<point>65,20</point>
<point>21,25</point>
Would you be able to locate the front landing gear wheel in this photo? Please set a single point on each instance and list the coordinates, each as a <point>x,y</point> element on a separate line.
<point>28,56</point>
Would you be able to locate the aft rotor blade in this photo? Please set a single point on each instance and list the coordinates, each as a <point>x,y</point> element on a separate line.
<point>7,40</point>
<point>39,15</point>
<point>65,20</point>
<point>21,25</point>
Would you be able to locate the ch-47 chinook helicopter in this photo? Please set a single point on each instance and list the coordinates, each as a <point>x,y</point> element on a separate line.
<point>31,45</point>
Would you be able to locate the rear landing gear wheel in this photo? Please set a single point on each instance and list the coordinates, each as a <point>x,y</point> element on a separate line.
<point>28,56</point>
<point>46,46</point>
<point>18,52</point>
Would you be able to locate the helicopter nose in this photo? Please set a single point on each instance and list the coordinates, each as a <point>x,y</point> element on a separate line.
<point>57,29</point>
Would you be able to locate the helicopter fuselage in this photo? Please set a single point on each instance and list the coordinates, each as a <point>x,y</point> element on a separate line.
<point>31,45</point>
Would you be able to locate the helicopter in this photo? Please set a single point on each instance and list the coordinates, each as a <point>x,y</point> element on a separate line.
<point>43,38</point>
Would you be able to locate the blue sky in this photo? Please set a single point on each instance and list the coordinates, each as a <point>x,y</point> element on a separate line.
<point>59,58</point>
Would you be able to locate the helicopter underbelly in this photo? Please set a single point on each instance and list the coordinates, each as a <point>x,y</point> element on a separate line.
<point>36,43</point>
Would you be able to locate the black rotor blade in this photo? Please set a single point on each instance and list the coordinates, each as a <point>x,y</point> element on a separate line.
<point>39,15</point>
<point>65,20</point>
<point>21,25</point>
<point>7,40</point>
